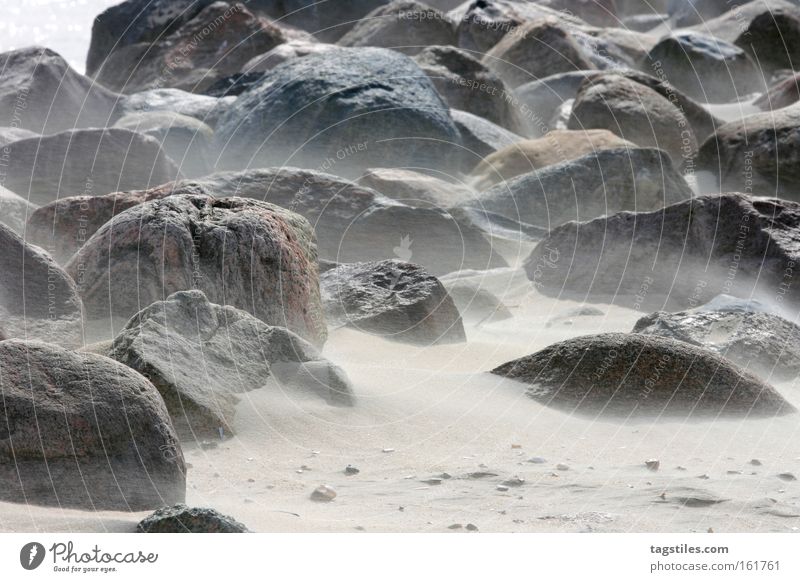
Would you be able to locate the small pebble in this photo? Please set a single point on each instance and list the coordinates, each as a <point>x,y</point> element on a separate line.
<point>562,467</point>
<point>653,464</point>
<point>455,526</point>
<point>755,462</point>
<point>432,481</point>
<point>734,472</point>
<point>472,527</point>
<point>514,482</point>
<point>388,450</point>
<point>351,470</point>
<point>251,480</point>
<point>537,460</point>
<point>502,488</point>
<point>704,476</point>
<point>787,477</point>
<point>323,493</point>
<point>516,446</point>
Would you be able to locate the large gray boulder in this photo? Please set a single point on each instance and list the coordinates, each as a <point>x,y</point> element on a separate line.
<point>762,342</point>
<point>664,259</point>
<point>201,356</point>
<point>350,109</point>
<point>40,92</point>
<point>638,375</point>
<point>86,162</point>
<point>772,37</point>
<point>80,430</point>
<point>590,186</point>
<point>395,300</point>
<point>240,252</point>
<point>38,300</point>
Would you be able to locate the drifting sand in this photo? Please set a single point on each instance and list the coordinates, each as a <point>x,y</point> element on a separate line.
<point>440,412</point>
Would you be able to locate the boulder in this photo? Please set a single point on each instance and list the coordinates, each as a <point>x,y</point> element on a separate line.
<point>759,153</point>
<point>587,187</point>
<point>772,38</point>
<point>480,137</point>
<point>201,356</point>
<point>38,300</point>
<point>81,430</point>
<point>351,108</point>
<point>240,252</point>
<point>393,299</point>
<point>467,84</point>
<point>175,101</point>
<point>403,25</point>
<point>14,210</point>
<point>735,22</point>
<point>328,21</point>
<point>40,92</point>
<point>301,47</point>
<point>416,189</point>
<point>542,99</point>
<point>637,375</point>
<point>763,343</point>
<point>636,113</point>
<point>182,519</point>
<point>780,95</point>
<point>705,68</point>
<point>186,140</point>
<point>351,222</point>
<point>667,259</point>
<point>215,43</point>
<point>87,162</point>
<point>531,155</point>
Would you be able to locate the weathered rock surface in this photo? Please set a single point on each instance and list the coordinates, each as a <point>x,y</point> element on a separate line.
<point>81,430</point>
<point>352,109</point>
<point>87,162</point>
<point>40,92</point>
<point>215,43</point>
<point>403,25</point>
<point>417,189</point>
<point>590,186</point>
<point>535,154</point>
<point>634,112</point>
<point>240,252</point>
<point>764,343</point>
<point>732,243</point>
<point>328,21</point>
<point>633,374</point>
<point>200,356</point>
<point>14,210</point>
<point>38,300</point>
<point>782,94</point>
<point>182,519</point>
<point>396,300</point>
<point>301,47</point>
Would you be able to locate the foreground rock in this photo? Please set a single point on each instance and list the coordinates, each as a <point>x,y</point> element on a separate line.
<point>534,154</point>
<point>396,300</point>
<point>349,108</point>
<point>40,92</point>
<point>758,154</point>
<point>183,519</point>
<point>761,342</point>
<point>351,222</point>
<point>87,162</point>
<point>239,252</point>
<point>38,300</point>
<point>81,430</point>
<point>588,187</point>
<point>632,374</point>
<point>200,356</point>
<point>731,243</point>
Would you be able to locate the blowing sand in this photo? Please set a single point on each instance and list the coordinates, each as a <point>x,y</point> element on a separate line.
<point>424,414</point>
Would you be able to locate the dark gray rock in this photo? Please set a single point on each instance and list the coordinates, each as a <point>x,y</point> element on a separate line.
<point>764,343</point>
<point>670,258</point>
<point>240,252</point>
<point>328,21</point>
<point>350,109</point>
<point>81,430</point>
<point>38,300</point>
<point>201,356</point>
<point>182,519</point>
<point>403,25</point>
<point>587,187</point>
<point>396,300</point>
<point>87,162</point>
<point>41,93</point>
<point>705,68</point>
<point>633,374</point>
<point>772,38</point>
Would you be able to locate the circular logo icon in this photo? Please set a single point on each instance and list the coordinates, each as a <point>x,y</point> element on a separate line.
<point>31,555</point>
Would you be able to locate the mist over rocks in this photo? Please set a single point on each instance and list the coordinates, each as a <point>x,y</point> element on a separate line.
<point>202,356</point>
<point>584,188</point>
<point>417,189</point>
<point>634,374</point>
<point>395,300</point>
<point>38,300</point>
<point>480,137</point>
<point>677,257</point>
<point>87,162</point>
<point>40,92</point>
<point>355,106</point>
<point>14,210</point>
<point>81,430</point>
<point>240,252</point>
<point>766,344</point>
<point>174,102</point>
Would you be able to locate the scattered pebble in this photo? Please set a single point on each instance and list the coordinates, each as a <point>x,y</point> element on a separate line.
<point>455,526</point>
<point>537,460</point>
<point>516,446</point>
<point>432,481</point>
<point>711,530</point>
<point>351,470</point>
<point>514,482</point>
<point>653,464</point>
<point>472,527</point>
<point>703,476</point>
<point>787,477</point>
<point>481,475</point>
<point>755,462</point>
<point>251,480</point>
<point>562,467</point>
<point>681,468</point>
<point>323,493</point>
<point>502,488</point>
<point>388,450</point>
<point>734,472</point>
